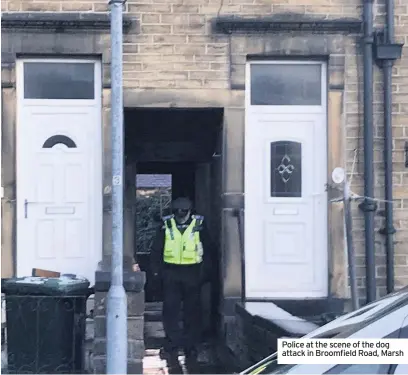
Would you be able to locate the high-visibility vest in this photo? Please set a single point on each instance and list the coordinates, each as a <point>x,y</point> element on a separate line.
<point>182,248</point>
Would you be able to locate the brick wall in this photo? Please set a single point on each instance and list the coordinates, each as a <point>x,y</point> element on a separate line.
<point>354,134</point>
<point>172,47</point>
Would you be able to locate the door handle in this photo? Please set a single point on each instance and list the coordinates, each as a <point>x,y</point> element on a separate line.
<point>26,202</point>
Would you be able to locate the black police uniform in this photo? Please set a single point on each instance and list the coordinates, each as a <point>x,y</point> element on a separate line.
<point>182,286</point>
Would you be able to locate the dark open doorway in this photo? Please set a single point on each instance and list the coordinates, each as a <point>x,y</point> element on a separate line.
<point>175,152</point>
<point>157,183</point>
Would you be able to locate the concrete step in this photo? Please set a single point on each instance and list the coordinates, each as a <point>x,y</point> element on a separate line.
<point>153,316</point>
<point>153,329</point>
<point>153,364</point>
<point>89,330</point>
<point>154,342</point>
<point>153,306</point>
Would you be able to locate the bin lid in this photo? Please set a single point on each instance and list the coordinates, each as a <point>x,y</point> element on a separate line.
<point>33,285</point>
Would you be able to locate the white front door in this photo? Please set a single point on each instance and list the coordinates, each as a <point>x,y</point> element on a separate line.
<point>285,182</point>
<point>59,167</point>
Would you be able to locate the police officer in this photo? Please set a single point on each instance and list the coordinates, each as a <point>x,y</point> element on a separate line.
<point>181,257</point>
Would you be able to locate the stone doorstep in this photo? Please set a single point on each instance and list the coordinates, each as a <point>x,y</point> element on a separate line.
<point>154,329</point>
<point>89,330</point>
<point>99,366</point>
<point>152,364</point>
<point>136,349</point>
<point>153,316</point>
<point>154,306</point>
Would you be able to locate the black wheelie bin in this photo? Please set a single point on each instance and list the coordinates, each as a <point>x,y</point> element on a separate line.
<point>46,320</point>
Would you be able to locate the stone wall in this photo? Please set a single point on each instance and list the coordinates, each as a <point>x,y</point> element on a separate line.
<point>252,337</point>
<point>171,52</point>
<point>134,283</point>
<point>354,151</point>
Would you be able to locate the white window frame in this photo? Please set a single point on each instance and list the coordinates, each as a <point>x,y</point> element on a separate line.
<point>260,109</point>
<point>58,102</point>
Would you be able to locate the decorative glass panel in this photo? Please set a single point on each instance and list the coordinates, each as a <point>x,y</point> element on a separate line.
<point>59,139</point>
<point>47,80</point>
<point>286,169</point>
<point>286,84</point>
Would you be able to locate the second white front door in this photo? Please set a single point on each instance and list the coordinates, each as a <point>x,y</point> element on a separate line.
<point>285,200</point>
<point>59,172</point>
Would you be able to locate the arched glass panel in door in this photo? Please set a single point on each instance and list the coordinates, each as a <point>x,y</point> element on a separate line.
<point>286,169</point>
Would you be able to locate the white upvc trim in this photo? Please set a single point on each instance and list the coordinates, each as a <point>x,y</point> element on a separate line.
<point>1,169</point>
<point>259,111</point>
<point>47,103</point>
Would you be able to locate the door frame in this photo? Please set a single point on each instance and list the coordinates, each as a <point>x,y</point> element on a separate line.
<point>20,102</point>
<point>322,109</point>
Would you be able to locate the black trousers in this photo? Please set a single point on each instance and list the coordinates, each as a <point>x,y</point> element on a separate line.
<point>181,299</point>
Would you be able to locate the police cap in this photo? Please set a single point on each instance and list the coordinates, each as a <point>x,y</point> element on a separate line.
<point>182,203</point>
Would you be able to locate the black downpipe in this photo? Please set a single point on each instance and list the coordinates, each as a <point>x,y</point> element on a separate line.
<point>369,206</point>
<point>386,52</point>
<point>389,229</point>
<point>394,52</point>
<point>389,225</point>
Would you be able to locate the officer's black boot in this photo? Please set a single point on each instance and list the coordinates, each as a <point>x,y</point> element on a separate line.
<point>173,363</point>
<point>191,361</point>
